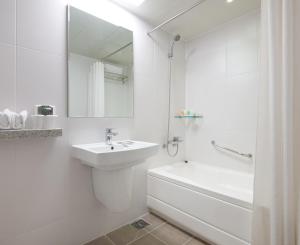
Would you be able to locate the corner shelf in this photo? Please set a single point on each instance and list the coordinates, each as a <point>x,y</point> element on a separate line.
<point>189,117</point>
<point>29,133</point>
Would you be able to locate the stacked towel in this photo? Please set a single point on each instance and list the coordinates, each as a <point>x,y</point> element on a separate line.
<point>5,119</point>
<point>19,120</point>
<point>12,120</point>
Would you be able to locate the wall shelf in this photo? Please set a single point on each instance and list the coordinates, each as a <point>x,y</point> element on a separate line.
<point>189,117</point>
<point>30,133</point>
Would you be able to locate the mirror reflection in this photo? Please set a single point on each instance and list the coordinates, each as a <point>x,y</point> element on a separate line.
<point>100,68</point>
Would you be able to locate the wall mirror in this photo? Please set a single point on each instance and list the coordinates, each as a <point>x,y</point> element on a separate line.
<point>100,67</point>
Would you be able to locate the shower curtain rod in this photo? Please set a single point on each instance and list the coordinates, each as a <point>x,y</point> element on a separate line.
<point>175,17</point>
<point>116,51</point>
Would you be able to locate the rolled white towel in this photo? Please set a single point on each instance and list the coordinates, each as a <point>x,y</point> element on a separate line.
<point>5,119</point>
<point>12,120</point>
<point>24,115</point>
<point>18,120</point>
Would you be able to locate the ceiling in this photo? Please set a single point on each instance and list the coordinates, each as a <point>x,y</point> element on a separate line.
<point>95,38</point>
<point>199,20</point>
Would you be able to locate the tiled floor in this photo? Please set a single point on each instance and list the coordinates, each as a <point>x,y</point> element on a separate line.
<point>158,232</point>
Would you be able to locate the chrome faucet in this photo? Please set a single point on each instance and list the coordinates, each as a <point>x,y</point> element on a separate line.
<point>174,141</point>
<point>108,135</point>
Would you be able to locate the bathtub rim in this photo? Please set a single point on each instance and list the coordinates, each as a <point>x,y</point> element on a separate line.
<point>184,182</point>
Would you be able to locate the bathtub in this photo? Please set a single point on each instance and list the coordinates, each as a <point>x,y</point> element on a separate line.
<point>212,203</point>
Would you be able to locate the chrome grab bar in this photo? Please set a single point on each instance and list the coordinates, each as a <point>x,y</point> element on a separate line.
<point>248,155</point>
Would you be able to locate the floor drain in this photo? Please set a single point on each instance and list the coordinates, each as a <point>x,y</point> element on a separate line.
<point>139,224</point>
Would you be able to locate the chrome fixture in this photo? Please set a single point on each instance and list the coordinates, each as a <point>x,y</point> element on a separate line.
<point>116,51</point>
<point>176,140</point>
<point>108,135</point>
<point>176,39</point>
<point>175,17</point>
<point>248,155</point>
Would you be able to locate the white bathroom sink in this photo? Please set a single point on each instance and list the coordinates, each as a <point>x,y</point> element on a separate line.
<point>120,154</point>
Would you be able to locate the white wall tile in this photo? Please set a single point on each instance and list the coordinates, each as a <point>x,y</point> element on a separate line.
<point>41,79</point>
<point>7,190</point>
<point>222,83</point>
<point>41,25</point>
<point>243,45</point>
<point>8,21</point>
<point>41,188</point>
<point>8,76</point>
<point>43,236</point>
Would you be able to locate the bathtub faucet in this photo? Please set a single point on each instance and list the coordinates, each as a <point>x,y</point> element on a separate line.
<point>175,141</point>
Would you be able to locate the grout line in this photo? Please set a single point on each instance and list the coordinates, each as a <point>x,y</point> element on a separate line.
<point>135,239</point>
<point>110,239</point>
<point>128,223</point>
<point>150,232</point>
<point>222,26</point>
<point>15,77</point>
<point>190,239</point>
<point>159,239</point>
<point>106,235</point>
<point>147,233</point>
<point>49,53</point>
<point>164,223</point>
<point>16,57</point>
<point>7,44</point>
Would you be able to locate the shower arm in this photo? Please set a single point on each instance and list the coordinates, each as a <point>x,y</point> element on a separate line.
<point>248,155</point>
<point>175,17</point>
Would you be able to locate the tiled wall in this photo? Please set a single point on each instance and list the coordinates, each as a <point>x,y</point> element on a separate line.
<point>46,196</point>
<point>222,75</point>
<point>297,103</point>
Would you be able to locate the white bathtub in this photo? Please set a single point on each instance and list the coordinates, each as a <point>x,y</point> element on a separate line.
<point>210,202</point>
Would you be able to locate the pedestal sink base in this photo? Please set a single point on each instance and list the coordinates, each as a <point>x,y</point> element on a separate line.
<point>113,168</point>
<point>114,188</point>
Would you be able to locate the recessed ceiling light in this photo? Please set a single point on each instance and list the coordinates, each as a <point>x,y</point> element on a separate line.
<point>229,1</point>
<point>131,2</point>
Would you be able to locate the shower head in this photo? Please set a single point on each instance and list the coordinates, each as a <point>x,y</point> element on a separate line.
<point>176,38</point>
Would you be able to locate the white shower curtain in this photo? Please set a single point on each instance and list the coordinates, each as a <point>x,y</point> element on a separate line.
<point>274,219</point>
<point>96,90</point>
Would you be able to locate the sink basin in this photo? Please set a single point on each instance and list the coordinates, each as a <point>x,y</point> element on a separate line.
<point>121,154</point>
